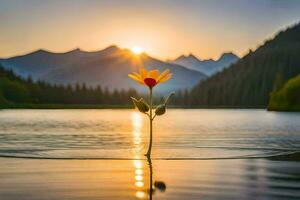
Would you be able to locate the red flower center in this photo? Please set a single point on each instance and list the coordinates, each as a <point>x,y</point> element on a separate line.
<point>151,82</point>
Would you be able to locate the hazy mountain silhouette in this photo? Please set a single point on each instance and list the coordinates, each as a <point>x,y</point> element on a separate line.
<point>208,67</point>
<point>108,67</point>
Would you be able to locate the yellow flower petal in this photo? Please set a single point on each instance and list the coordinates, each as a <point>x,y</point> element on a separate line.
<point>136,79</point>
<point>143,73</point>
<point>164,79</point>
<point>153,74</point>
<point>162,75</point>
<point>137,75</point>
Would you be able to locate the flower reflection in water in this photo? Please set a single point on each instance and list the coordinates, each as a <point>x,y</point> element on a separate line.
<point>158,185</point>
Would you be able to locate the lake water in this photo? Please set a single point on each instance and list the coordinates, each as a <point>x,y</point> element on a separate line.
<point>197,154</point>
<point>123,134</point>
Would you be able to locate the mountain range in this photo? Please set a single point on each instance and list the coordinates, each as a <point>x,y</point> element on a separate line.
<point>268,71</point>
<point>108,67</point>
<point>208,67</point>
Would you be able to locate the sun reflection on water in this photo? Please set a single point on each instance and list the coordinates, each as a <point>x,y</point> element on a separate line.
<point>140,194</point>
<point>137,123</point>
<point>139,178</point>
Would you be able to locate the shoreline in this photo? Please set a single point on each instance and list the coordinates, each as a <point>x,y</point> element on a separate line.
<point>94,106</point>
<point>129,106</point>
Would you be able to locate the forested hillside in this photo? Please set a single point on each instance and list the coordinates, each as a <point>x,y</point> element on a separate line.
<point>249,82</point>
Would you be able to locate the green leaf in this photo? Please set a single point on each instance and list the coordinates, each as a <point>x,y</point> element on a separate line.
<point>140,104</point>
<point>160,109</point>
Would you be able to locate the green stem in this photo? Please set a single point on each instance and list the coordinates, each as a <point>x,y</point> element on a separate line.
<point>150,119</point>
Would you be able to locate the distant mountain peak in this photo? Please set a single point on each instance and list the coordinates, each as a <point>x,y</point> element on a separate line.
<point>41,51</point>
<point>228,55</point>
<point>109,49</point>
<point>112,48</point>
<point>76,50</point>
<point>208,66</point>
<point>190,56</point>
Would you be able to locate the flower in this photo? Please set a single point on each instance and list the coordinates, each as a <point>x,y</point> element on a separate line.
<point>150,78</point>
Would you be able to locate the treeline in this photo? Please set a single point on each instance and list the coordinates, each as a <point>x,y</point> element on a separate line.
<point>250,81</point>
<point>14,89</point>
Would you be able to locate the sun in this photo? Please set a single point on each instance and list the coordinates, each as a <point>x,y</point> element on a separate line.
<point>137,50</point>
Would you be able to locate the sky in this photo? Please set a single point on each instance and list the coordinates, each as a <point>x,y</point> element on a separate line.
<point>162,28</point>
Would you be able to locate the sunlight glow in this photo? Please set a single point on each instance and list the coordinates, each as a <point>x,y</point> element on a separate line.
<point>137,50</point>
